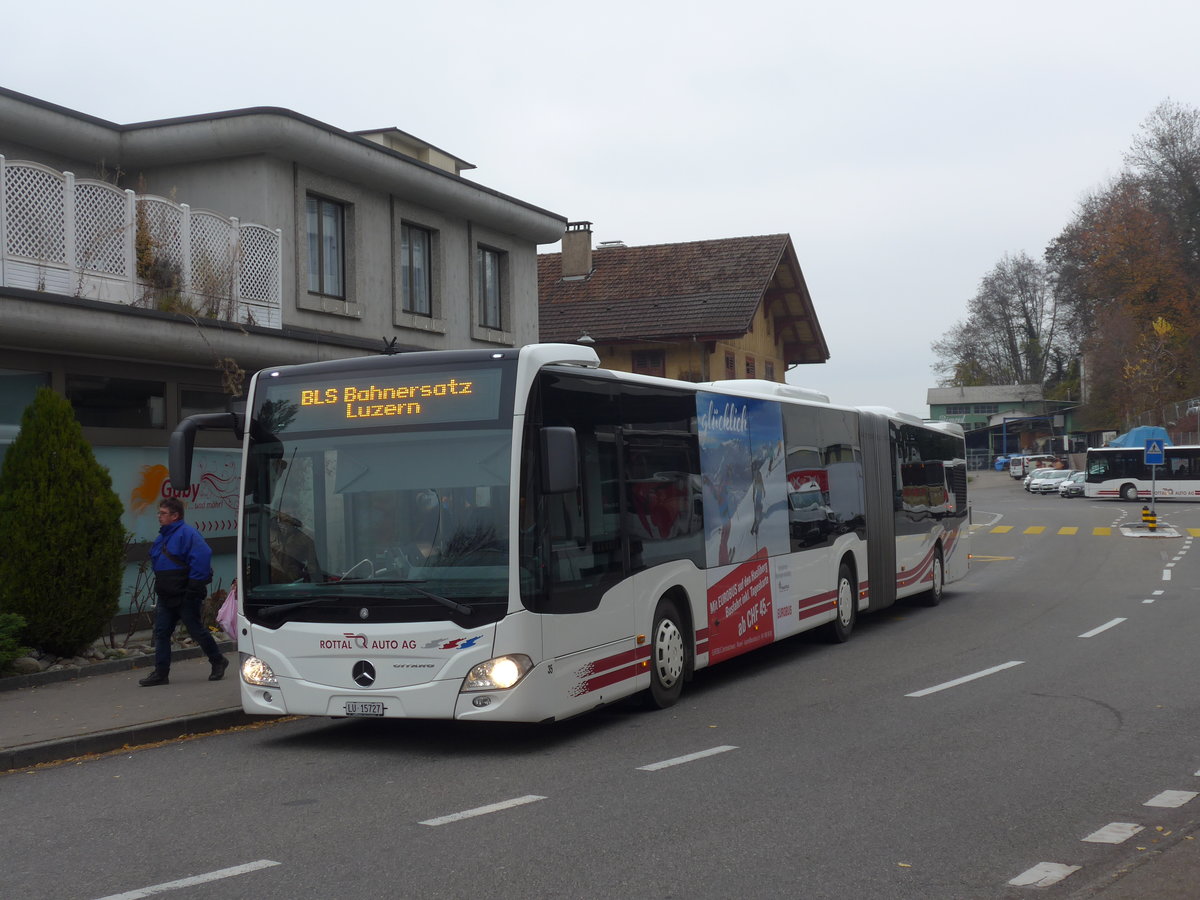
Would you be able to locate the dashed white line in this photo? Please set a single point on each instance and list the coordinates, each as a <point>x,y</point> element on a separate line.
<point>1043,874</point>
<point>1170,799</point>
<point>193,880</point>
<point>1114,833</point>
<point>1104,627</point>
<point>678,760</point>
<point>482,810</point>
<point>1166,575</point>
<point>957,681</point>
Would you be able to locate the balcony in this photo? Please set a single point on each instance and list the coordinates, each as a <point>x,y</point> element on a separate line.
<point>86,238</point>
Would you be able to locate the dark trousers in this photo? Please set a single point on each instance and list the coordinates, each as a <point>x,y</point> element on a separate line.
<point>165,620</point>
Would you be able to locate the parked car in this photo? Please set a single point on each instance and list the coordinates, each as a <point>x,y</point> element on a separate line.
<point>1073,486</point>
<point>1047,480</point>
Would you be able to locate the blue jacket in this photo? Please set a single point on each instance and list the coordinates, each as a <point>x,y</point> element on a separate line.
<point>187,546</point>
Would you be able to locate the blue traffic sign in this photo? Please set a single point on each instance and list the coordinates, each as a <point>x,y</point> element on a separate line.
<point>1155,455</point>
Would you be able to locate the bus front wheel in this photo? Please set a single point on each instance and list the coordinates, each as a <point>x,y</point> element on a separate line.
<point>668,656</point>
<point>1129,492</point>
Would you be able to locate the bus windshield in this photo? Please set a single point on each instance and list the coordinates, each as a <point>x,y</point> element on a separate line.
<point>386,521</point>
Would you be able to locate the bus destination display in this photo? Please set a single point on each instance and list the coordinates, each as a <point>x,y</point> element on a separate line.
<point>394,401</point>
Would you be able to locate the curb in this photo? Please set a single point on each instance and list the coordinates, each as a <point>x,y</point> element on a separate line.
<point>103,741</point>
<point>70,673</point>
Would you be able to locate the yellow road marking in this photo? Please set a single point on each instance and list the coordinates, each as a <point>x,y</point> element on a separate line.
<point>1194,532</point>
<point>1002,529</point>
<point>1068,529</point>
<point>1034,529</point>
<point>1102,532</point>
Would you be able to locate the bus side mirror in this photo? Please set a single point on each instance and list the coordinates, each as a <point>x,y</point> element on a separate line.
<point>183,442</point>
<point>560,460</point>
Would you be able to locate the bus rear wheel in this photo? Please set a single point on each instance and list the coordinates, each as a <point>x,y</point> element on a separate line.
<point>1129,492</point>
<point>933,596</point>
<point>839,630</point>
<point>668,656</point>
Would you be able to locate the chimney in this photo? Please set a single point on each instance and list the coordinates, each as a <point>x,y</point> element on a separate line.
<point>577,251</point>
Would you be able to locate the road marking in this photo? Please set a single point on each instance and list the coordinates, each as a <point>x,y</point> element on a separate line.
<point>1069,529</point>
<point>1166,574</point>
<point>1194,532</point>
<point>482,810</point>
<point>1002,529</point>
<point>1043,874</point>
<point>1113,833</point>
<point>1102,532</point>
<point>193,880</point>
<point>1104,627</point>
<point>1171,799</point>
<point>1150,600</point>
<point>678,760</point>
<point>957,681</point>
<point>1159,593</point>
<point>1034,529</point>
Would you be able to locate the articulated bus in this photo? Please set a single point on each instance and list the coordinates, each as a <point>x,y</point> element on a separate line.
<point>520,535</point>
<point>1121,472</point>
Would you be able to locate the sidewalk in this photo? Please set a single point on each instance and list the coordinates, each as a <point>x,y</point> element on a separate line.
<point>44,718</point>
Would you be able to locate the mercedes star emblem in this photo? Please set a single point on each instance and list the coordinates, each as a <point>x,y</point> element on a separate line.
<point>364,673</point>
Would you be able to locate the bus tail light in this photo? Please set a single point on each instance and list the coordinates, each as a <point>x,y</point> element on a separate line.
<point>498,674</point>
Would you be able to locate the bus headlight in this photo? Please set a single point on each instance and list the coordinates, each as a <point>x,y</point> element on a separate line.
<point>498,674</point>
<point>255,671</point>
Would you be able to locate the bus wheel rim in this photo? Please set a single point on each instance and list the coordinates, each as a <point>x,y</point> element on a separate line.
<point>845,603</point>
<point>668,652</point>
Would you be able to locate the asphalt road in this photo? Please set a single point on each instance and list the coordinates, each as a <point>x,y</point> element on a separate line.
<point>941,753</point>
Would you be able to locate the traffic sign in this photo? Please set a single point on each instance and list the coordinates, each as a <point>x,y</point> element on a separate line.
<point>1155,455</point>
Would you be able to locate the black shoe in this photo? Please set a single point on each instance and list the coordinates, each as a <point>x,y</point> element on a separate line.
<point>156,677</point>
<point>218,669</point>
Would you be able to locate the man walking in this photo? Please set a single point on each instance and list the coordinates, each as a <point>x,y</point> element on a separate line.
<point>182,568</point>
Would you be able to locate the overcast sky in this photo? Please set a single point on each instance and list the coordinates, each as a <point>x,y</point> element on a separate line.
<point>905,147</point>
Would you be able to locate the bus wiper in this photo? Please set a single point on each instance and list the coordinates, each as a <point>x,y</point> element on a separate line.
<point>271,612</point>
<point>461,608</point>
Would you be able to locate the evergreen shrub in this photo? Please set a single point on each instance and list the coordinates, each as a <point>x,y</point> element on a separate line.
<point>60,527</point>
<point>11,626</point>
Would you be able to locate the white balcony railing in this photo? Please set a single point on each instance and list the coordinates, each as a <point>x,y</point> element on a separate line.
<point>85,238</point>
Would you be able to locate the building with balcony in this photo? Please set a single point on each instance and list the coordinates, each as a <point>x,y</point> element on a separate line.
<point>145,269</point>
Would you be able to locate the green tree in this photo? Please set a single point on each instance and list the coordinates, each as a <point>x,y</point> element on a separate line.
<point>60,527</point>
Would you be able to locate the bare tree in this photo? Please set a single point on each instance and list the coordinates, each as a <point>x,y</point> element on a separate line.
<point>1010,331</point>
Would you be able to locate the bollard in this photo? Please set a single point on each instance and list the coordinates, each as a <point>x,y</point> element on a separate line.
<point>1149,519</point>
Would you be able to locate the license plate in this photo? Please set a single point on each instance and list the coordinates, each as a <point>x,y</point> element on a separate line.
<point>364,708</point>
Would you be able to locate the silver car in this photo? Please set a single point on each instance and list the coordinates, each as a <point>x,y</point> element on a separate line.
<point>1048,480</point>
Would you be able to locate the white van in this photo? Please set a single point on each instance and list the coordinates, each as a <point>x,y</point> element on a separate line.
<point>1020,466</point>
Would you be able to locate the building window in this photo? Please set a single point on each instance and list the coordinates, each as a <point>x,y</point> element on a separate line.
<point>750,367</point>
<point>769,367</point>
<point>17,390</point>
<point>489,265</point>
<point>650,362</point>
<point>102,402</point>
<point>730,365</point>
<point>194,401</point>
<point>987,409</point>
<point>326,247</point>
<point>416,267</point>
<point>961,409</point>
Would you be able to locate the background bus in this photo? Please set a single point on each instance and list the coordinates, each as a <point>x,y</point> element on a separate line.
<point>520,535</point>
<point>1114,472</point>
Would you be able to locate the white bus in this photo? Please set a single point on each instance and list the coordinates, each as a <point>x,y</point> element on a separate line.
<point>1120,472</point>
<point>520,535</point>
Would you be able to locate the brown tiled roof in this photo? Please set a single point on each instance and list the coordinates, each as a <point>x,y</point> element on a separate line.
<point>701,290</point>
